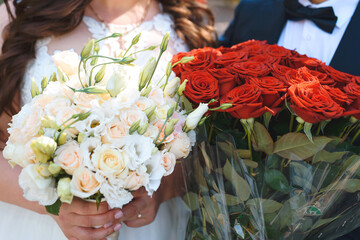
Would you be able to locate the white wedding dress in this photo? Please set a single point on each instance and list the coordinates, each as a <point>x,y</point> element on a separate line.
<point>21,224</point>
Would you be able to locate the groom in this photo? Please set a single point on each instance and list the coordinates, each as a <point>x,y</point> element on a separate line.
<point>328,30</point>
<point>325,29</point>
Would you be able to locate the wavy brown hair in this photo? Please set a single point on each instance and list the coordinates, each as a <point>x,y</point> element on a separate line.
<point>37,19</point>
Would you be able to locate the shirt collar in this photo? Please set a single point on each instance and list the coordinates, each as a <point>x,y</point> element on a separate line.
<point>343,9</point>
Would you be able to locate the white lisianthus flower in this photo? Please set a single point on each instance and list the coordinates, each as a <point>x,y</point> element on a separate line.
<point>110,161</point>
<point>172,87</point>
<point>19,154</point>
<point>156,171</point>
<point>67,61</point>
<point>85,183</point>
<point>115,84</point>
<point>64,190</point>
<point>168,162</point>
<point>180,146</point>
<point>69,156</point>
<point>95,124</point>
<point>115,195</point>
<point>157,95</point>
<point>194,118</point>
<point>140,148</point>
<point>87,147</point>
<point>37,185</point>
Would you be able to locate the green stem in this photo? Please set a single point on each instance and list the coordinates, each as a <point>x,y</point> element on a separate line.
<point>318,129</point>
<point>166,82</point>
<point>127,50</point>
<point>162,127</point>
<point>299,127</point>
<point>79,74</point>
<point>291,122</point>
<point>153,72</point>
<point>355,136</point>
<point>236,122</point>
<point>68,126</point>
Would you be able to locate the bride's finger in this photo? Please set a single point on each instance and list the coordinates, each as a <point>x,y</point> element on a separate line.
<point>105,219</point>
<point>82,233</point>
<point>82,207</point>
<point>135,209</point>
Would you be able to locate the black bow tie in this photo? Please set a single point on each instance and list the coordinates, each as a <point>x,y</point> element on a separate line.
<point>324,17</point>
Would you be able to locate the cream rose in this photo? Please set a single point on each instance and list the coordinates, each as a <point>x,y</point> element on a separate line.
<point>135,181</point>
<point>65,114</point>
<point>180,146</point>
<point>69,156</point>
<point>55,106</point>
<point>85,101</point>
<point>143,103</point>
<point>37,185</point>
<point>157,95</point>
<point>115,130</point>
<point>168,162</point>
<point>151,132</point>
<point>85,183</point>
<point>161,111</point>
<point>68,61</point>
<point>42,100</point>
<point>129,116</point>
<point>169,138</point>
<point>110,161</point>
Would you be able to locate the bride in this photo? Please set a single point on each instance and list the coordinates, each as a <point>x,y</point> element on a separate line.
<point>35,32</point>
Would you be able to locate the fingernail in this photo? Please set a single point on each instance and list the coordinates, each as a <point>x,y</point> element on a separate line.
<point>117,227</point>
<point>119,214</point>
<point>108,225</point>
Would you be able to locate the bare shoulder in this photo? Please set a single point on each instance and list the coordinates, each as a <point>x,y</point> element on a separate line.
<point>4,20</point>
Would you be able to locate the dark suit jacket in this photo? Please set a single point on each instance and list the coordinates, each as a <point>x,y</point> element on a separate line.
<point>265,20</point>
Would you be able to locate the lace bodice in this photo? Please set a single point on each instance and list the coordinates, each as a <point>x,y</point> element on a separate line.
<point>152,32</point>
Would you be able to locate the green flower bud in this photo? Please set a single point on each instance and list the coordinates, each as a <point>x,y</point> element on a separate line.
<point>83,116</point>
<point>81,137</point>
<point>134,127</point>
<point>146,91</point>
<point>115,85</point>
<point>87,49</point>
<point>142,129</point>
<point>182,87</point>
<point>93,90</point>
<point>150,111</point>
<point>94,61</point>
<point>168,69</point>
<point>169,129</point>
<point>100,74</point>
<point>164,42</point>
<point>171,87</point>
<point>115,35</point>
<point>43,147</point>
<point>300,120</point>
<point>96,47</point>
<point>186,59</point>
<point>64,191</point>
<point>170,112</point>
<point>136,39</point>
<point>62,138</point>
<point>43,169</point>
<point>34,88</point>
<point>53,78</point>
<point>127,60</point>
<point>353,119</point>
<point>146,73</point>
<point>54,169</point>
<point>44,83</point>
<point>49,122</point>
<point>61,75</point>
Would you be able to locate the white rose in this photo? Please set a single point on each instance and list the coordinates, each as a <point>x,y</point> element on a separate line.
<point>161,111</point>
<point>68,61</point>
<point>110,161</point>
<point>69,156</point>
<point>55,106</point>
<point>194,118</point>
<point>130,115</point>
<point>37,186</point>
<point>115,130</point>
<point>116,196</point>
<point>157,95</point>
<point>135,181</point>
<point>168,162</point>
<point>180,146</point>
<point>143,103</point>
<point>85,183</point>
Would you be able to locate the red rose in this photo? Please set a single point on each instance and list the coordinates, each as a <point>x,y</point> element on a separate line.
<point>249,69</point>
<point>277,51</point>
<point>323,78</point>
<point>337,95</point>
<point>353,90</point>
<point>311,102</point>
<point>247,102</point>
<point>279,71</point>
<point>265,58</point>
<point>340,78</point>
<point>225,79</point>
<point>304,61</point>
<point>272,90</point>
<point>303,74</point>
<point>354,109</point>
<point>251,45</point>
<point>204,58</point>
<point>201,86</point>
<point>230,58</point>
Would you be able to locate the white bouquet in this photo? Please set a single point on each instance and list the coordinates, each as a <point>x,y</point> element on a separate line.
<point>98,129</point>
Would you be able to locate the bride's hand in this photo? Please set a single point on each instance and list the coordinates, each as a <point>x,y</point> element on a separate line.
<point>79,219</point>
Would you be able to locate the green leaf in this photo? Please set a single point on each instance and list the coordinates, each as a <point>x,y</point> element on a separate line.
<point>301,175</point>
<point>296,146</point>
<point>244,153</point>
<point>191,200</point>
<point>230,199</point>
<point>54,208</point>
<point>268,205</point>
<point>329,157</point>
<point>267,117</point>
<point>277,180</point>
<point>351,185</point>
<point>307,131</point>
<point>322,222</point>
<point>250,164</point>
<point>263,141</point>
<point>242,188</point>
<point>187,105</point>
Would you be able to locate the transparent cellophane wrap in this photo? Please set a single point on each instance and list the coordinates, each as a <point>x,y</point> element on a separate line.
<point>311,192</point>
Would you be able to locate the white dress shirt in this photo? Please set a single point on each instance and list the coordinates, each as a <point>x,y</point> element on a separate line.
<point>306,38</point>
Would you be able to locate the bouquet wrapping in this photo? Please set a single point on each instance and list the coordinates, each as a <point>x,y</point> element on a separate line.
<point>279,152</point>
<point>99,129</point>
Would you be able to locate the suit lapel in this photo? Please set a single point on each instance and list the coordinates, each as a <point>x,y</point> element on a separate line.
<point>347,55</point>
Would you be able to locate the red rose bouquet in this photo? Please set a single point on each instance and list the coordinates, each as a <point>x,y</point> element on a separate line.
<point>279,159</point>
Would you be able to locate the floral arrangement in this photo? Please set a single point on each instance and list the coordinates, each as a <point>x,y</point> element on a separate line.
<point>279,157</point>
<point>99,129</point>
